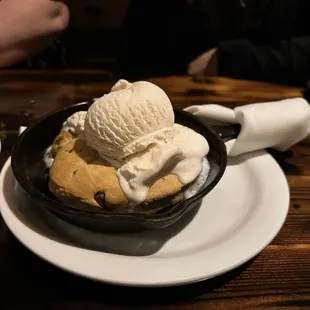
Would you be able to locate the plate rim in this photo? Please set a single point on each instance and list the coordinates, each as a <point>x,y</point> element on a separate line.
<point>15,226</point>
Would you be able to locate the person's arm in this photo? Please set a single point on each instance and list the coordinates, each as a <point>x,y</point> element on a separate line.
<point>287,62</point>
<point>28,27</point>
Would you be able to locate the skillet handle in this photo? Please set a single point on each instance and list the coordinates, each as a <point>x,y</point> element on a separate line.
<point>228,132</point>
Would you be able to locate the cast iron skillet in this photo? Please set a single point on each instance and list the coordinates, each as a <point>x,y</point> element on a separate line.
<point>29,170</point>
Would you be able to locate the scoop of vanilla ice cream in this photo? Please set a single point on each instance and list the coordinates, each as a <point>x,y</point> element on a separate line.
<point>129,119</point>
<point>75,123</point>
<point>194,148</point>
<point>183,157</point>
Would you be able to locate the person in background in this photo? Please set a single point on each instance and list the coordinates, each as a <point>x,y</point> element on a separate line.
<point>264,40</point>
<point>28,27</point>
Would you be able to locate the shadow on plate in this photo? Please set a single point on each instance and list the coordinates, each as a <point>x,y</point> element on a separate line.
<point>280,157</point>
<point>238,160</point>
<point>129,244</point>
<point>45,223</point>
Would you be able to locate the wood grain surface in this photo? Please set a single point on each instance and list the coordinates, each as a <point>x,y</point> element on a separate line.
<point>278,278</point>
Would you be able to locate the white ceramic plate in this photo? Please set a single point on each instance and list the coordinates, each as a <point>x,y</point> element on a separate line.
<point>234,223</point>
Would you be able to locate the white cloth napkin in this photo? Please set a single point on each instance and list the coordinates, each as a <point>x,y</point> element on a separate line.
<point>278,124</point>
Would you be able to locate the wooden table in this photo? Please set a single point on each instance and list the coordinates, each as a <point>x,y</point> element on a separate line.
<point>278,278</point>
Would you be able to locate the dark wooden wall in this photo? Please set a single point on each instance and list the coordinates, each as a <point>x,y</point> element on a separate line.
<point>91,39</point>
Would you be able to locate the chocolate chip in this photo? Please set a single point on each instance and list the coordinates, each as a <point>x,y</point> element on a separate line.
<point>71,151</point>
<point>100,198</point>
<point>75,171</point>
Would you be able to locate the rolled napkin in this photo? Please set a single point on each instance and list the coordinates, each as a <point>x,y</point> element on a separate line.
<point>277,124</point>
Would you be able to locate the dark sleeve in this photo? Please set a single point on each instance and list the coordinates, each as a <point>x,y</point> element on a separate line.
<point>287,62</point>
<point>155,39</point>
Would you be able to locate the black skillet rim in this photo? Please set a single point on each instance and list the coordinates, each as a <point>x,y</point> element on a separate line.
<point>162,217</point>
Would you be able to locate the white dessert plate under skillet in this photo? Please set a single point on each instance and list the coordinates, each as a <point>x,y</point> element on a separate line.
<point>235,221</point>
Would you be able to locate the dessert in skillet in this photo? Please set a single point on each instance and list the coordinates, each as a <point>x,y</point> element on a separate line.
<point>126,153</point>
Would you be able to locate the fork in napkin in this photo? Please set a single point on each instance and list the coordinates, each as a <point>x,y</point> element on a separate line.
<point>277,124</point>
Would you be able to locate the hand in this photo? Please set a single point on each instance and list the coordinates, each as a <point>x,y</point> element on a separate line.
<point>34,18</point>
<point>204,65</point>
<point>28,28</point>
